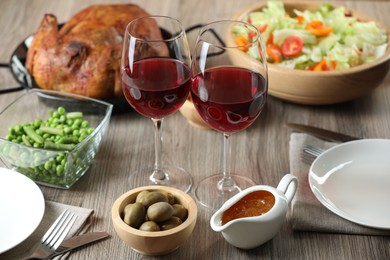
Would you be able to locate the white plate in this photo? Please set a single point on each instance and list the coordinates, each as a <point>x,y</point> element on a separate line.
<point>22,206</point>
<point>353,180</point>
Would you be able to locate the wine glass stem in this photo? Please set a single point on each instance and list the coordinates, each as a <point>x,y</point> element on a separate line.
<point>158,172</point>
<point>226,184</point>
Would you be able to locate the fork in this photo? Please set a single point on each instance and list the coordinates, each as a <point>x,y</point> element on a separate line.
<point>54,236</point>
<point>310,153</point>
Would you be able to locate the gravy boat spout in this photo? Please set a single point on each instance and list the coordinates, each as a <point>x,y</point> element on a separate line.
<point>252,231</point>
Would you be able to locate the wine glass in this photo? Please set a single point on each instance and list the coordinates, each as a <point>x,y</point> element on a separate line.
<point>156,79</point>
<point>229,97</point>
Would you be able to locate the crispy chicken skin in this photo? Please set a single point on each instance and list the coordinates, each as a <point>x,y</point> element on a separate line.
<point>83,57</point>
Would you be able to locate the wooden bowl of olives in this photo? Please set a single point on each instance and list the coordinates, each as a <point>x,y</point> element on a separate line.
<point>154,220</point>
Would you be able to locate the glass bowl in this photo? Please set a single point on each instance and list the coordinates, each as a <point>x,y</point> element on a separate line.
<point>37,162</point>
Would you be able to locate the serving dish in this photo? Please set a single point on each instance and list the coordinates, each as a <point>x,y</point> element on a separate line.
<point>22,206</point>
<point>156,242</point>
<point>21,75</point>
<point>352,180</point>
<point>18,70</point>
<point>29,160</point>
<point>318,87</point>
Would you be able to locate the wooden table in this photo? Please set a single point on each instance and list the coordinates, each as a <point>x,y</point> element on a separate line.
<point>260,152</point>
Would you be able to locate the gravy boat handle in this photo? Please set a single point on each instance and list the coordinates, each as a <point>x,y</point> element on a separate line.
<point>288,185</point>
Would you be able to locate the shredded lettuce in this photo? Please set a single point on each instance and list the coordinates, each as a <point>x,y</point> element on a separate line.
<point>352,42</point>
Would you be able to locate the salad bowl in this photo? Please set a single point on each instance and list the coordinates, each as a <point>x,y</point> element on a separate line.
<point>318,86</point>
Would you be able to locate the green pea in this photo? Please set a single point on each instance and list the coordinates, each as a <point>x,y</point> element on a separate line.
<point>84,124</point>
<point>59,170</point>
<point>67,130</point>
<point>61,110</point>
<point>76,132</point>
<point>18,128</point>
<point>11,131</point>
<point>55,114</point>
<point>69,121</point>
<point>48,165</point>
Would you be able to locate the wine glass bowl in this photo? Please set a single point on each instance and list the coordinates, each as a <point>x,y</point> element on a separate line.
<point>228,98</point>
<point>156,79</point>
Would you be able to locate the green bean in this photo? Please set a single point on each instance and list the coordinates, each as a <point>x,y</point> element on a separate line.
<point>51,130</point>
<point>68,140</point>
<point>31,133</point>
<point>73,115</point>
<point>57,146</point>
<point>25,140</point>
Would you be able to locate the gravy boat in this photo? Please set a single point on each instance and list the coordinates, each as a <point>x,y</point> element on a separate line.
<point>251,232</point>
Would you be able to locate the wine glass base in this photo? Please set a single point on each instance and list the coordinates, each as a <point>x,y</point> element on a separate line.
<point>209,194</point>
<point>175,177</point>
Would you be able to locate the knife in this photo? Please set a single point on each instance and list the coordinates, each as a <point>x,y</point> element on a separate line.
<point>324,134</point>
<point>78,241</point>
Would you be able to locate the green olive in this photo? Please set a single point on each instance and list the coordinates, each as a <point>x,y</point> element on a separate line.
<point>179,211</point>
<point>149,226</point>
<point>152,197</point>
<point>134,215</point>
<point>160,211</point>
<point>171,223</point>
<point>170,197</point>
<point>141,195</point>
<point>127,207</point>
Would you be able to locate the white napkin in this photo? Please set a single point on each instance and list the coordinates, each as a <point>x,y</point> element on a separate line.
<point>52,211</point>
<point>307,213</point>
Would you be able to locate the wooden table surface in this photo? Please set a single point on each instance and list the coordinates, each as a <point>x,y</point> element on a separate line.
<point>260,152</point>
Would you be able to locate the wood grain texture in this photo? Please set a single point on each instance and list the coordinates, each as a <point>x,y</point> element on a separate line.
<point>260,152</point>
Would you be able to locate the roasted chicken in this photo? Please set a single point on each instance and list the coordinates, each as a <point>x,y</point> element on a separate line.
<point>83,56</point>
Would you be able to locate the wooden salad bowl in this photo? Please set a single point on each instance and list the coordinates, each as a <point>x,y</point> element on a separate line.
<point>317,87</point>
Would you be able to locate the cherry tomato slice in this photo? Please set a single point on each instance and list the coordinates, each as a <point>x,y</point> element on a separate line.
<point>292,46</point>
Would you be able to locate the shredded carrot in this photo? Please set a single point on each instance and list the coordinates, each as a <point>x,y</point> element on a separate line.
<point>317,28</point>
<point>270,40</point>
<point>300,19</point>
<point>274,52</point>
<point>242,41</point>
<point>323,66</point>
<point>262,28</point>
<point>252,34</point>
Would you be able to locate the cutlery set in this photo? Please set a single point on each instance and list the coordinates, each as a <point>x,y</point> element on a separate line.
<point>324,134</point>
<point>53,242</point>
<point>311,152</point>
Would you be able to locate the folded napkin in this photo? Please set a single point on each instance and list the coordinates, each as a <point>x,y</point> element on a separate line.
<point>52,211</point>
<point>307,213</point>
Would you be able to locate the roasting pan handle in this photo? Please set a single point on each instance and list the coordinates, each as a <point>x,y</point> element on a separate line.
<point>200,25</point>
<point>4,90</point>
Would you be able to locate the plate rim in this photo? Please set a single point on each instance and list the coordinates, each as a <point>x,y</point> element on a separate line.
<point>333,208</point>
<point>41,202</point>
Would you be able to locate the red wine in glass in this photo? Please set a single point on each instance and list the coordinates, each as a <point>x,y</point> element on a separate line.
<point>156,87</point>
<point>229,95</point>
<point>223,103</point>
